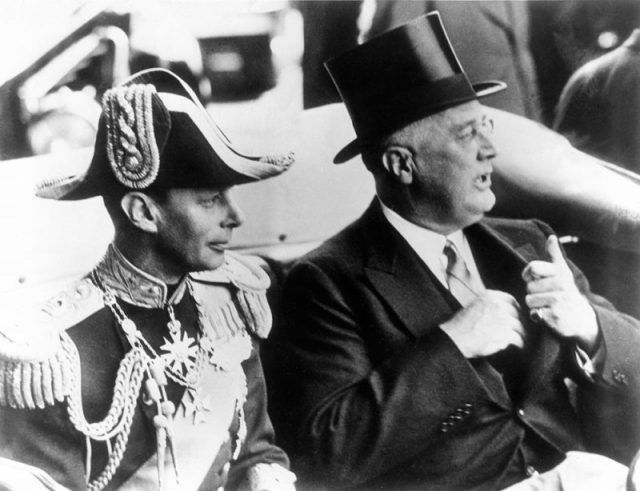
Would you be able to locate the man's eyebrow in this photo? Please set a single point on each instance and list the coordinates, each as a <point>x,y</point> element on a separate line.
<point>208,193</point>
<point>470,122</point>
<point>464,124</point>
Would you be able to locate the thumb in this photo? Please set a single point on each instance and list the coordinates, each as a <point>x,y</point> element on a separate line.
<point>554,251</point>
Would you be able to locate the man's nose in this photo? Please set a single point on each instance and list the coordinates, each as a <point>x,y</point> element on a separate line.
<point>487,149</point>
<point>235,216</point>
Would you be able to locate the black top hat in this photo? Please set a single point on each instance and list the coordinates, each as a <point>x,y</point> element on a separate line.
<point>155,134</point>
<point>400,77</point>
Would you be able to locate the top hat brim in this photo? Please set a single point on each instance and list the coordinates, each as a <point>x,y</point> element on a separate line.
<point>482,89</point>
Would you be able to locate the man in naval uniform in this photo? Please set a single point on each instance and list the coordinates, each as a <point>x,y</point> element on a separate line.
<point>145,373</point>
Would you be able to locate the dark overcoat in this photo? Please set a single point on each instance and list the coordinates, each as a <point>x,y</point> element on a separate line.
<point>368,392</point>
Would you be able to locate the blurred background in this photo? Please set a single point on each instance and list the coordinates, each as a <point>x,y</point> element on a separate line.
<point>255,65</point>
<point>59,57</point>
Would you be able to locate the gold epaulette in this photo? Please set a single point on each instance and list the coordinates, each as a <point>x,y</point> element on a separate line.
<point>37,357</point>
<point>252,283</point>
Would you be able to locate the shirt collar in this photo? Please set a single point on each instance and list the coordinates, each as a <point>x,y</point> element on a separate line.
<point>133,285</point>
<point>429,245</point>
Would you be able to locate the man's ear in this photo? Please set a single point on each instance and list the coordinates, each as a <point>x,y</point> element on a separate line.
<point>399,164</point>
<point>141,210</point>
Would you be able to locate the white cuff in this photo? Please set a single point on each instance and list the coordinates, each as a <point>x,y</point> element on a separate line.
<point>590,365</point>
<point>16,476</point>
<point>271,477</point>
<point>584,362</point>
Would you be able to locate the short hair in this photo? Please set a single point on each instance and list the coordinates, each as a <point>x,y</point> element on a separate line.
<point>111,202</point>
<point>407,137</point>
<point>113,198</point>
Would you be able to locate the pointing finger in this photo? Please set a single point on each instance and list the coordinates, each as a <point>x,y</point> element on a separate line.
<point>554,251</point>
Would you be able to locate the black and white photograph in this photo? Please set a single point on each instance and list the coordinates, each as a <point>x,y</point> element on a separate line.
<point>318,245</point>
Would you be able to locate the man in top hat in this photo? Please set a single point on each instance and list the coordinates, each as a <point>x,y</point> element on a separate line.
<point>145,374</point>
<point>428,347</point>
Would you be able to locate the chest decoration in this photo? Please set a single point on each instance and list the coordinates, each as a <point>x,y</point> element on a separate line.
<point>40,364</point>
<point>222,342</point>
<point>180,350</point>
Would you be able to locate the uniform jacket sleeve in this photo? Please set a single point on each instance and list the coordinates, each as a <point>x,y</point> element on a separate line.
<point>258,446</point>
<point>609,402</point>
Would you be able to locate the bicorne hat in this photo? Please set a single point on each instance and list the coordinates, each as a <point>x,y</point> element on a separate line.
<point>400,77</point>
<point>154,134</point>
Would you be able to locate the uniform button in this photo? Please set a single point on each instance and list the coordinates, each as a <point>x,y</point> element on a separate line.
<point>521,412</point>
<point>531,471</point>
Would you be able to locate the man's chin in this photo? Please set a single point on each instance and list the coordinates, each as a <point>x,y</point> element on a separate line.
<point>215,264</point>
<point>489,201</point>
<point>209,264</point>
<point>479,212</point>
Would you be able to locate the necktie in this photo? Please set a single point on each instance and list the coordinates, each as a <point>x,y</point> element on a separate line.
<point>459,277</point>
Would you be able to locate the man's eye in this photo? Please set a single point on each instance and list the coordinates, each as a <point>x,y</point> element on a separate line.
<point>467,134</point>
<point>212,200</point>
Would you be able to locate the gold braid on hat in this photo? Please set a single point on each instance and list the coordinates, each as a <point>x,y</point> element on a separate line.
<point>131,142</point>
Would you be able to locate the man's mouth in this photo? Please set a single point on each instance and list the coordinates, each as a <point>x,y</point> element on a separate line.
<point>483,180</point>
<point>219,247</point>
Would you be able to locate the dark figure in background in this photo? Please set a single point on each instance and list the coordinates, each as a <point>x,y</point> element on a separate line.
<point>599,109</point>
<point>599,112</point>
<point>428,347</point>
<point>490,38</point>
<point>565,35</point>
<point>148,367</point>
<point>330,27</point>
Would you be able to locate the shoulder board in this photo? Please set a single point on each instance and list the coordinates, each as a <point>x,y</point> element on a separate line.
<point>36,354</point>
<point>243,271</point>
<point>252,283</point>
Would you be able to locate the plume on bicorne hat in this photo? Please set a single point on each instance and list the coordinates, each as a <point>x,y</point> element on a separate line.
<point>399,77</point>
<point>155,134</point>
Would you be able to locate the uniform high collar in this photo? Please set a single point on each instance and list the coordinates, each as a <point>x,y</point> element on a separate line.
<point>132,285</point>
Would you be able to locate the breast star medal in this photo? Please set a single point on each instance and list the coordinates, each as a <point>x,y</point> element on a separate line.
<point>180,349</point>
<point>196,405</point>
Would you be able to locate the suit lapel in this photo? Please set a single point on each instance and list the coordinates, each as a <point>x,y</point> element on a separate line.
<point>405,283</point>
<point>401,278</point>
<point>500,261</point>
